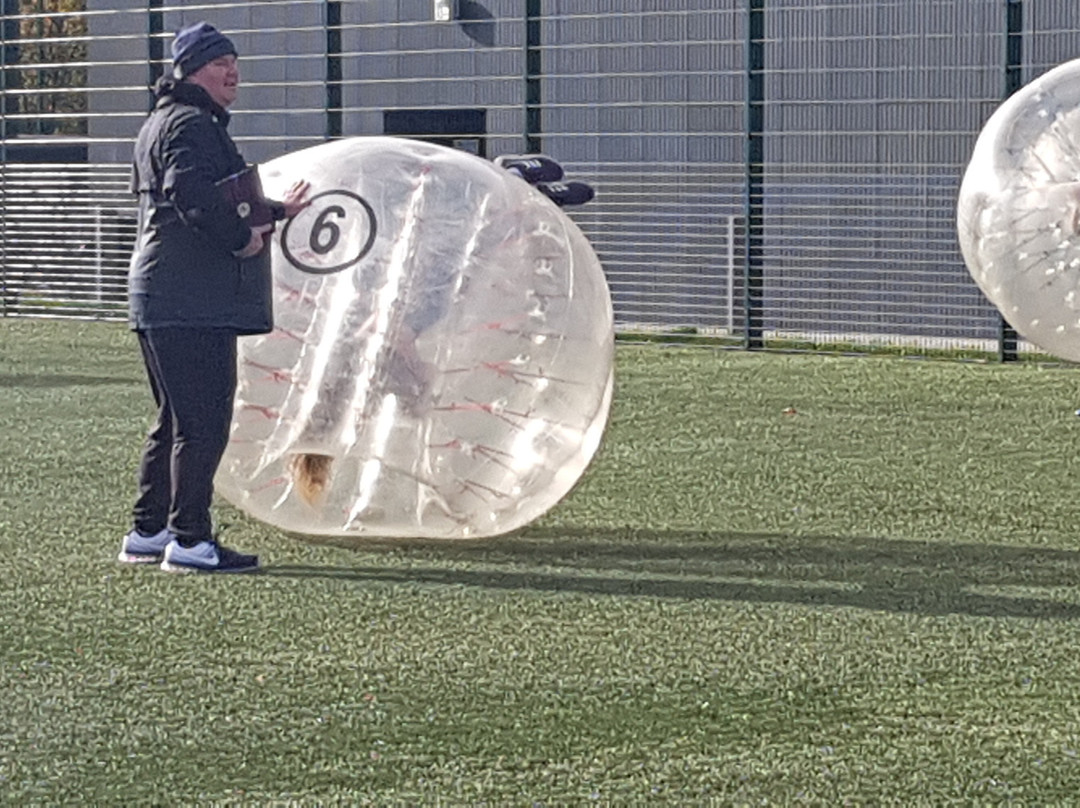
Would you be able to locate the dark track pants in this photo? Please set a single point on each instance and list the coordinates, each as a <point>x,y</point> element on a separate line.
<point>192,375</point>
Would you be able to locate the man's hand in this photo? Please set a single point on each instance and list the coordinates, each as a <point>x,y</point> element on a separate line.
<point>255,243</point>
<point>296,198</point>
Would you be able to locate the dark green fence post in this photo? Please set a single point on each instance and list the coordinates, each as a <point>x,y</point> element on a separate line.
<point>754,190</point>
<point>9,55</point>
<point>334,116</point>
<point>534,71</point>
<point>155,43</point>
<point>1014,79</point>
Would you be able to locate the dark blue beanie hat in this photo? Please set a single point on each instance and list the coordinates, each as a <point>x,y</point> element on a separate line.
<point>196,45</point>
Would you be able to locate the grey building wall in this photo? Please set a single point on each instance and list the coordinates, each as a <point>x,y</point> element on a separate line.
<point>398,57</point>
<point>872,107</point>
<point>282,104</point>
<point>117,77</point>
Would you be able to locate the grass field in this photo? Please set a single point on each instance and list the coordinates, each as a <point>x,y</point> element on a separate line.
<point>874,600</point>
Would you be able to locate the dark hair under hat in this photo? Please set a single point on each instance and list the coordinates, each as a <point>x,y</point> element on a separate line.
<point>196,45</point>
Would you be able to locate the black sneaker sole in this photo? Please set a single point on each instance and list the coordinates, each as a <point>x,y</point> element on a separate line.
<point>185,569</point>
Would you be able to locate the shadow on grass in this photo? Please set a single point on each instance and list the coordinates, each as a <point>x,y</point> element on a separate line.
<point>43,380</point>
<point>875,574</point>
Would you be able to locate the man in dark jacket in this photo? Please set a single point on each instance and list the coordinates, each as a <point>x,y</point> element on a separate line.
<point>200,277</point>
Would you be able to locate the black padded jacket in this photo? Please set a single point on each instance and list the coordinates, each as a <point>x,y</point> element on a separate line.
<point>183,271</point>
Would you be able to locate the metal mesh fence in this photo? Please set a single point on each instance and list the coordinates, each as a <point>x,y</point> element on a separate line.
<point>67,236</point>
<point>872,109</point>
<point>868,112</point>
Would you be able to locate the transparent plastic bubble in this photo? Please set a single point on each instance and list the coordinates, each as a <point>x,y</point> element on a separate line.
<point>1019,211</point>
<point>441,363</point>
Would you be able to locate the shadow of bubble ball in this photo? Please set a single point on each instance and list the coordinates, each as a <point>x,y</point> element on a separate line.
<point>441,362</point>
<point>1018,214</point>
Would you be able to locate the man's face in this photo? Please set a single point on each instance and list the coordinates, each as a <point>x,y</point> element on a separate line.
<point>220,78</point>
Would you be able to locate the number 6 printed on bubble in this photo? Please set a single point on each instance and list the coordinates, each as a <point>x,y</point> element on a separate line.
<point>333,233</point>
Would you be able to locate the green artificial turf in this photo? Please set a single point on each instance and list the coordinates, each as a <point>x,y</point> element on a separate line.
<point>785,579</point>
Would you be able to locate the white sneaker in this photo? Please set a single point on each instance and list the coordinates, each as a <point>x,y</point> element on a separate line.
<point>139,549</point>
<point>206,556</point>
